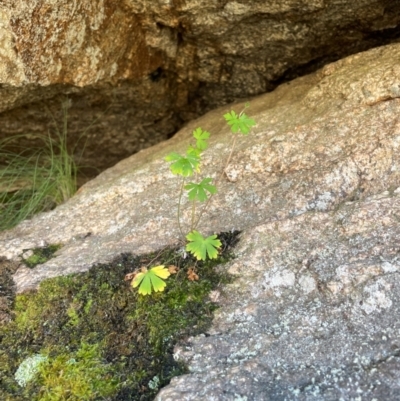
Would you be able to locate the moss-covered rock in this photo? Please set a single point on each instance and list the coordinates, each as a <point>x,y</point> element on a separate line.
<point>103,340</point>
<point>41,255</point>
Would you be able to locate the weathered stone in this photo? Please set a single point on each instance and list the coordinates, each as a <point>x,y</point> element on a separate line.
<point>154,65</point>
<point>314,312</point>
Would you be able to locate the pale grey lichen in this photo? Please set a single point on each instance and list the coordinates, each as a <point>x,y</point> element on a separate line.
<point>28,369</point>
<point>154,383</point>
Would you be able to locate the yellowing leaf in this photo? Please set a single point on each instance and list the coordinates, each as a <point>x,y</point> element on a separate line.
<point>130,276</point>
<point>161,271</point>
<point>151,279</point>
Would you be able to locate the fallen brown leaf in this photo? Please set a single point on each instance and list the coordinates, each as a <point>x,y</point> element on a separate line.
<point>173,269</point>
<point>130,276</point>
<point>192,276</point>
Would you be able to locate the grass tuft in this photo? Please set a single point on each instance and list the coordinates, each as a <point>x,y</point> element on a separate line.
<point>36,179</point>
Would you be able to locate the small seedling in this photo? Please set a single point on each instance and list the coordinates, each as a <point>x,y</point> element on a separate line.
<point>189,165</point>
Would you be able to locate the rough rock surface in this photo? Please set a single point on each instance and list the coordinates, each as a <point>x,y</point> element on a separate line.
<point>143,68</point>
<point>314,313</point>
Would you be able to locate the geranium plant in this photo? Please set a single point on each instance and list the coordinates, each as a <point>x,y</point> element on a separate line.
<point>200,190</point>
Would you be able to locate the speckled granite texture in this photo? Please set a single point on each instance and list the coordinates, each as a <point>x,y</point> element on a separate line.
<point>315,189</point>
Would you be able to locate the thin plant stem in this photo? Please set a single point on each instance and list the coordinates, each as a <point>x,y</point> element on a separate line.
<point>179,209</point>
<point>192,226</point>
<point>205,207</point>
<point>63,135</point>
<point>193,214</point>
<point>156,257</point>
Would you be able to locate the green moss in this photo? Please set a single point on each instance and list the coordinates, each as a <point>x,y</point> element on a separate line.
<point>120,341</point>
<point>41,255</point>
<point>76,376</point>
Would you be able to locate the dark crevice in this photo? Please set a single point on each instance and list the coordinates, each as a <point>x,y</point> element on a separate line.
<point>157,74</point>
<point>370,40</point>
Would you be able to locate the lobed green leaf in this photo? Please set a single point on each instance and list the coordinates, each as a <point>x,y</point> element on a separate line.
<point>195,152</point>
<point>199,191</point>
<point>201,138</point>
<point>240,123</point>
<point>202,247</point>
<point>185,166</point>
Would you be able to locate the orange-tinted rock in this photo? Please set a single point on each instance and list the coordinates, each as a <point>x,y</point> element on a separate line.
<point>143,68</point>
